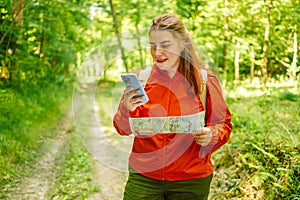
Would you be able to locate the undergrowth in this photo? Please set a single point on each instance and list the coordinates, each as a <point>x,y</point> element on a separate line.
<point>28,116</point>
<point>262,158</point>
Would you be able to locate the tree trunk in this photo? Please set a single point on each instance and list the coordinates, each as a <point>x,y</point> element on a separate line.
<point>18,9</point>
<point>139,44</point>
<point>226,12</point>
<point>137,30</point>
<point>252,58</point>
<point>42,35</point>
<point>118,34</point>
<point>18,16</point>
<point>236,63</point>
<point>294,62</point>
<point>264,70</point>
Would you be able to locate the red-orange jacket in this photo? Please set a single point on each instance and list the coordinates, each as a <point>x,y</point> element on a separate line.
<point>173,156</point>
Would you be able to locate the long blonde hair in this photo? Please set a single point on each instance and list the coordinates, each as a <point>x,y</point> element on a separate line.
<point>189,61</point>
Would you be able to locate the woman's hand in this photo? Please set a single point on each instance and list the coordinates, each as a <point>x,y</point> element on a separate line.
<point>132,103</point>
<point>203,137</point>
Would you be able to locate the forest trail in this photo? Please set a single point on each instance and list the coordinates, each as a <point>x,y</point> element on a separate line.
<point>44,172</point>
<point>110,181</point>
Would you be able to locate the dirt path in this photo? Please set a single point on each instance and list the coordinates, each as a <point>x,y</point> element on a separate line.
<point>110,181</point>
<point>45,170</point>
<point>44,173</point>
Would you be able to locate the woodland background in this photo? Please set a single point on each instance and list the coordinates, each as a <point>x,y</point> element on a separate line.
<point>48,45</point>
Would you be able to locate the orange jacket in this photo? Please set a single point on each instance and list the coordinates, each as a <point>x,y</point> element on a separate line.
<point>172,156</point>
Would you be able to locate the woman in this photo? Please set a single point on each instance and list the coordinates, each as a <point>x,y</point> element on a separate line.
<point>173,161</point>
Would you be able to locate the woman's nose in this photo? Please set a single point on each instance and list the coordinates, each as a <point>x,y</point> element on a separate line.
<point>158,51</point>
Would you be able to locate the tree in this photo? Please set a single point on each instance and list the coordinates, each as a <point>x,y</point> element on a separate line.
<point>226,35</point>
<point>118,34</point>
<point>263,66</point>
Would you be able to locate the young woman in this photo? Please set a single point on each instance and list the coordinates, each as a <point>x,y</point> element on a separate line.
<point>171,153</point>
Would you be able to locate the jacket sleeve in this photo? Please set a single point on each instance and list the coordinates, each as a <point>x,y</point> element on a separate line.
<point>121,119</point>
<point>218,116</point>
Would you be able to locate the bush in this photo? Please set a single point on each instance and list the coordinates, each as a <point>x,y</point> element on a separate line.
<point>264,149</point>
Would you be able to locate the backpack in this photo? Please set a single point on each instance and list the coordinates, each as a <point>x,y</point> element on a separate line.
<point>145,73</point>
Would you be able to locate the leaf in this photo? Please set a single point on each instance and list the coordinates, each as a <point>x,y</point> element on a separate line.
<point>260,177</point>
<point>249,159</point>
<point>269,155</point>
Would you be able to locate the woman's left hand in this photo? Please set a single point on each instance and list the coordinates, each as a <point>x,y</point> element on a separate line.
<point>203,137</point>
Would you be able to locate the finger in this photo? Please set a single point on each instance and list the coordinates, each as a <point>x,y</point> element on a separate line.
<point>135,100</point>
<point>136,92</point>
<point>140,98</point>
<point>199,140</point>
<point>140,103</point>
<point>201,135</point>
<point>205,136</point>
<point>200,132</point>
<point>128,91</point>
<point>202,142</point>
<point>202,138</point>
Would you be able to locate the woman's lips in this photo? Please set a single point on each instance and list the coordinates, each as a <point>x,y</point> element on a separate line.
<point>160,61</point>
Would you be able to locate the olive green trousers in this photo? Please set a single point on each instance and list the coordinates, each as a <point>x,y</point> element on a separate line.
<point>139,187</point>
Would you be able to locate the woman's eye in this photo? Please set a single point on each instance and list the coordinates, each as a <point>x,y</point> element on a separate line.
<point>165,46</point>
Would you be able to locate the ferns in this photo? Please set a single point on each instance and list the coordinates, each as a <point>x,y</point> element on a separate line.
<point>265,148</point>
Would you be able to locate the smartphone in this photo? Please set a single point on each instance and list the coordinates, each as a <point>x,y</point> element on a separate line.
<point>131,80</point>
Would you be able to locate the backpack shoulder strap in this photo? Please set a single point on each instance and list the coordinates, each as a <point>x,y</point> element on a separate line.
<point>203,74</point>
<point>144,75</point>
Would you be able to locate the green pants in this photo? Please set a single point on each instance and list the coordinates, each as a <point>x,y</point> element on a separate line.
<point>139,187</point>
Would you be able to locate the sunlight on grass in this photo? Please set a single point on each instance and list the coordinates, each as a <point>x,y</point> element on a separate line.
<point>262,158</point>
<point>255,88</point>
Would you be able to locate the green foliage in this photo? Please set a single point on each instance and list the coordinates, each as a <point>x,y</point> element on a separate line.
<point>44,42</point>
<point>42,48</point>
<point>264,149</point>
<point>51,37</point>
<point>12,154</point>
<point>289,96</point>
<point>26,118</point>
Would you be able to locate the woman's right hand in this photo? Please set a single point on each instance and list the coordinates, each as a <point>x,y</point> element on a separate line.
<point>132,103</point>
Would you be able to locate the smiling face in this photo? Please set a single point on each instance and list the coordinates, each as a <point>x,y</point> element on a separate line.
<point>166,48</point>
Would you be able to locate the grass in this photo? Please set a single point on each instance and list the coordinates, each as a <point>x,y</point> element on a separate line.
<point>27,118</point>
<point>262,158</point>
<point>75,178</point>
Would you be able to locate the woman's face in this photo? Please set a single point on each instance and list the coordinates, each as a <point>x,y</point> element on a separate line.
<point>165,49</point>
